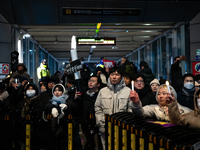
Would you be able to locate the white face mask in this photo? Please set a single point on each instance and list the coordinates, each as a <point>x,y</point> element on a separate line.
<point>188,85</point>
<point>198,103</point>
<point>30,93</point>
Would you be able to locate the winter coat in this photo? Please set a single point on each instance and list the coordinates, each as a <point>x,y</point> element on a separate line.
<point>145,97</point>
<point>23,74</point>
<point>4,104</point>
<point>185,97</point>
<point>112,99</point>
<point>55,101</point>
<point>147,72</point>
<point>176,76</point>
<point>88,108</point>
<point>156,111</point>
<point>47,95</point>
<point>190,120</point>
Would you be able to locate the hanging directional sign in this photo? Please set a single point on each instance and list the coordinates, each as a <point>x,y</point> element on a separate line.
<point>74,66</point>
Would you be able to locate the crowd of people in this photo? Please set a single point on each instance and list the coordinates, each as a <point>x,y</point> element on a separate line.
<point>107,91</point>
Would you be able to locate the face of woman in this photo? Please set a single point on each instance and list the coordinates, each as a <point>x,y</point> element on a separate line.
<point>163,96</point>
<point>57,93</point>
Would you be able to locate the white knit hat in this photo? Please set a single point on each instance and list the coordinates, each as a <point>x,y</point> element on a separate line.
<point>155,81</point>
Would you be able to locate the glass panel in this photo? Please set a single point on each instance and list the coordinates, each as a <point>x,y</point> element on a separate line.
<point>56,66</point>
<point>51,64</point>
<point>163,53</point>
<point>25,51</point>
<point>142,54</point>
<point>31,58</point>
<point>187,48</point>
<point>135,61</point>
<point>154,58</point>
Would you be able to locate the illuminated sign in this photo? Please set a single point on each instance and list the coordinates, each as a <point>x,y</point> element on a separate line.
<point>81,11</point>
<point>96,41</point>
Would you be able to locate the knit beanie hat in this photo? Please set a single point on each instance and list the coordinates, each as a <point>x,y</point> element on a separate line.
<point>155,81</point>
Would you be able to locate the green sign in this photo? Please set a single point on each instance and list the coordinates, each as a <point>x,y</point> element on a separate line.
<point>198,52</point>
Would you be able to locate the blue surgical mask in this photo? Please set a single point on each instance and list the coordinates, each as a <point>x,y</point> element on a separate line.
<point>30,93</point>
<point>189,85</point>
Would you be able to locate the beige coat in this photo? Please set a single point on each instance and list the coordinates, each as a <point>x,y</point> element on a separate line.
<point>111,100</point>
<point>190,120</point>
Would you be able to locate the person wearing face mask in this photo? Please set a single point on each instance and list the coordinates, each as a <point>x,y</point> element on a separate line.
<point>21,71</point>
<point>29,106</point>
<point>191,119</point>
<point>186,95</point>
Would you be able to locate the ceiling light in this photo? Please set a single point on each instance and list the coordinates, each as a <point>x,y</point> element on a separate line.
<point>118,24</point>
<point>147,24</point>
<point>26,36</point>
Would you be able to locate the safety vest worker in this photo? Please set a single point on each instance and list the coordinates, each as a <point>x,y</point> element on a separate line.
<point>43,72</point>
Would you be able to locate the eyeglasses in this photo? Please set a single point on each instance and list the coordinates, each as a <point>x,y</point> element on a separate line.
<point>137,81</point>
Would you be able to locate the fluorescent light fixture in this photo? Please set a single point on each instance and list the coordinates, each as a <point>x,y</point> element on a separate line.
<point>147,24</point>
<point>27,35</point>
<point>118,24</point>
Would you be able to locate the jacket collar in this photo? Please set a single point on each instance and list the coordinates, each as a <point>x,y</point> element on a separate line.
<point>116,87</point>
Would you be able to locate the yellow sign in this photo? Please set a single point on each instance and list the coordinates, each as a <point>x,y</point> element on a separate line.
<point>124,139</point>
<point>142,144</point>
<point>109,135</point>
<point>68,11</point>
<point>28,137</point>
<point>116,137</point>
<point>133,145</point>
<point>70,136</point>
<point>150,146</point>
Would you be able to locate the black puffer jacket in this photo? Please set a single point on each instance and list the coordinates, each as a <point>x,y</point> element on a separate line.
<point>147,72</point>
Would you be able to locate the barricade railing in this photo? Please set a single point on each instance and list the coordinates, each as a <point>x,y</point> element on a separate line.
<point>124,131</point>
<point>29,129</point>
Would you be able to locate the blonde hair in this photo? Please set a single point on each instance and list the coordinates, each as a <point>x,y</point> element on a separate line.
<point>165,86</point>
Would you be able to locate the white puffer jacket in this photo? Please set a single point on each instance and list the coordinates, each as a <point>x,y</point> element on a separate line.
<point>112,99</point>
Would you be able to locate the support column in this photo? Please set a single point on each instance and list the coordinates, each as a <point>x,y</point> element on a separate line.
<point>158,58</point>
<point>182,45</point>
<point>167,58</point>
<point>174,44</point>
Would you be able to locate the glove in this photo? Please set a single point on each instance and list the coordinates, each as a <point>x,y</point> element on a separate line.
<point>54,112</point>
<point>63,106</point>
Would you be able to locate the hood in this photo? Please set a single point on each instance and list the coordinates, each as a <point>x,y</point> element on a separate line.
<point>173,91</point>
<point>117,87</point>
<point>35,87</point>
<point>196,95</point>
<point>21,64</point>
<point>64,91</point>
<point>146,70</point>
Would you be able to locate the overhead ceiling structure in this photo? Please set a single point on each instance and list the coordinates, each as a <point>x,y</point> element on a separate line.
<point>134,23</point>
<point>129,37</point>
